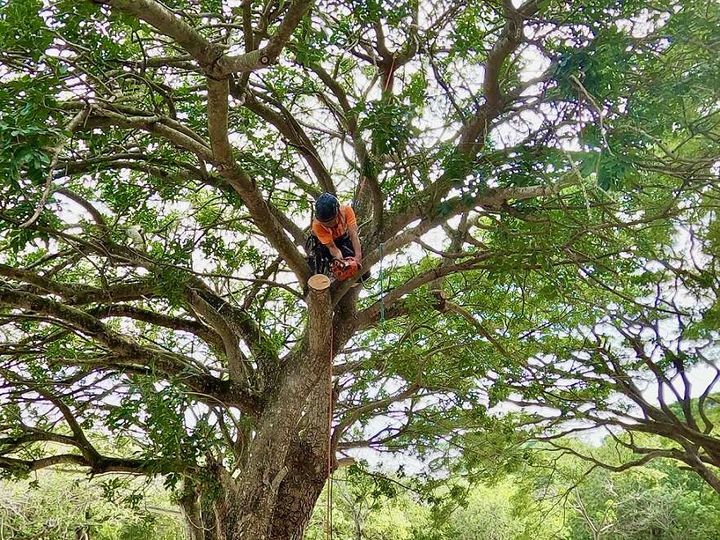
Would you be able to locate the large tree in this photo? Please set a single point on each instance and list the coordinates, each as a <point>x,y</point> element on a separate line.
<point>160,160</point>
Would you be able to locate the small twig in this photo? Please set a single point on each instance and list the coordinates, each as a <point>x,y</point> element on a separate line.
<point>75,123</point>
<point>597,108</point>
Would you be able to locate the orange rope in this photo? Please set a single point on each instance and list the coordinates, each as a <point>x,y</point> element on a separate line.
<point>390,74</point>
<point>329,517</point>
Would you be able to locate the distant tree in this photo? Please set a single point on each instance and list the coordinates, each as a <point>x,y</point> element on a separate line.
<point>507,163</point>
<point>656,501</point>
<point>493,513</point>
<point>66,507</point>
<point>372,506</point>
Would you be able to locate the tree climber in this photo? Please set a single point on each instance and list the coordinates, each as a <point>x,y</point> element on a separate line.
<point>334,244</point>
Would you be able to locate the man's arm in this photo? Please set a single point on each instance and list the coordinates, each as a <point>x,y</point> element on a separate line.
<point>355,239</point>
<point>334,251</point>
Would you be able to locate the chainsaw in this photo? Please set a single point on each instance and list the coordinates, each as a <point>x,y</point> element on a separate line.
<point>344,269</point>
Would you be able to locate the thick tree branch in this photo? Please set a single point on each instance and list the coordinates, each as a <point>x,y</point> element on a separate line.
<point>358,413</point>
<point>487,198</point>
<point>211,56</point>
<point>76,294</point>
<point>127,351</point>
<point>286,124</point>
<point>158,319</point>
<point>152,123</point>
<point>237,363</point>
<point>241,321</point>
<point>243,184</point>
<point>471,137</point>
<point>368,314</point>
<point>101,465</point>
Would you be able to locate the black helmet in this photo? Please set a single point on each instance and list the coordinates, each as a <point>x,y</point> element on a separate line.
<point>326,206</point>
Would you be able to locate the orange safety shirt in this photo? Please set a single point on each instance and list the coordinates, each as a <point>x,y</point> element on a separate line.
<point>326,235</point>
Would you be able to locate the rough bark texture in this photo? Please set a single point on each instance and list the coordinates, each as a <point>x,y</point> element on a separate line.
<point>307,463</point>
<point>285,467</point>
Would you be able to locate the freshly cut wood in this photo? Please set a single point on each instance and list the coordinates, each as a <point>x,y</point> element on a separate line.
<point>319,282</point>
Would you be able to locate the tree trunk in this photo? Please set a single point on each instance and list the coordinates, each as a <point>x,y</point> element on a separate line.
<point>307,462</point>
<point>298,495</point>
<point>302,477</point>
<point>286,466</point>
<point>357,518</point>
<point>207,508</point>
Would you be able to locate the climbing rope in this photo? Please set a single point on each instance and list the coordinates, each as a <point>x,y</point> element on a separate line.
<point>329,509</point>
<point>330,474</point>
<point>382,300</point>
<point>389,75</point>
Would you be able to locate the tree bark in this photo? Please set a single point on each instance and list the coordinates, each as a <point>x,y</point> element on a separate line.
<point>298,493</point>
<point>308,464</point>
<point>284,471</point>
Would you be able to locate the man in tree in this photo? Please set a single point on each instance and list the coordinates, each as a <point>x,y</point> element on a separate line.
<point>338,245</point>
<point>198,344</point>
